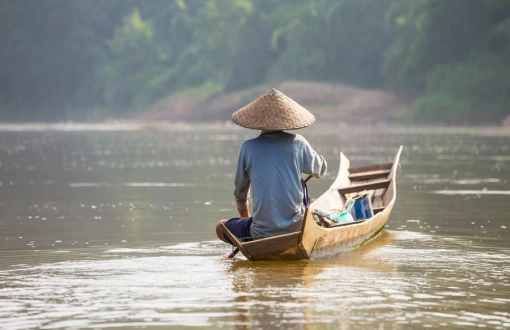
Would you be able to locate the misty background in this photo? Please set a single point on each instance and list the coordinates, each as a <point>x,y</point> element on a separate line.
<point>445,61</point>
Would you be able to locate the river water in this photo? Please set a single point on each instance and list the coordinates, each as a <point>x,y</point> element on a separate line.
<point>112,226</point>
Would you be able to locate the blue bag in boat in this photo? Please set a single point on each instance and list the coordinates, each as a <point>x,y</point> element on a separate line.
<point>362,207</point>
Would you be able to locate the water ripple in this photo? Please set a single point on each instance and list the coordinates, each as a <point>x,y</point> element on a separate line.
<point>400,278</point>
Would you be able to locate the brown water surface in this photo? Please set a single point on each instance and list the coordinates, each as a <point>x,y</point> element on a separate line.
<point>112,226</point>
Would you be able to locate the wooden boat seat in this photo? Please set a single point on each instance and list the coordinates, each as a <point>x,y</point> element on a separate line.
<point>369,175</point>
<point>378,209</point>
<point>370,168</point>
<point>366,186</point>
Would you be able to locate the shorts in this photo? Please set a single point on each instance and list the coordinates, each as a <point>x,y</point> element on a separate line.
<point>240,228</point>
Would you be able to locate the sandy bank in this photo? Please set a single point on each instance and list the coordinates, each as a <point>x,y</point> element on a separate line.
<point>331,102</point>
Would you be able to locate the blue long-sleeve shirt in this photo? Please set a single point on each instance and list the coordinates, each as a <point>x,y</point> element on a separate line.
<point>272,165</point>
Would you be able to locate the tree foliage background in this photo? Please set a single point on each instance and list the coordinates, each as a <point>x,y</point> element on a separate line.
<point>74,59</point>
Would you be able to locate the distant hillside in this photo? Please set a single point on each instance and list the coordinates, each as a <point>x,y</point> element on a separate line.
<point>332,102</point>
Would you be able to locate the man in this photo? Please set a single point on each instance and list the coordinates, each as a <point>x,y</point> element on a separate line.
<point>272,165</point>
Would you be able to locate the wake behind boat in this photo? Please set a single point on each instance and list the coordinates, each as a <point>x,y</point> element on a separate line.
<point>315,241</point>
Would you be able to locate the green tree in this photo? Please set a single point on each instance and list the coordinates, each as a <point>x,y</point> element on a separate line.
<point>340,41</point>
<point>69,59</point>
<point>50,64</point>
<point>454,54</point>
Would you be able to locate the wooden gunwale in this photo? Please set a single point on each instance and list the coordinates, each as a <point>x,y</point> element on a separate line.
<point>314,241</point>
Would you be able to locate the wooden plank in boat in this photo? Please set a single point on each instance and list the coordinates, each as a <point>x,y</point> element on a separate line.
<point>370,168</point>
<point>270,245</point>
<point>369,175</point>
<point>378,209</point>
<point>366,186</point>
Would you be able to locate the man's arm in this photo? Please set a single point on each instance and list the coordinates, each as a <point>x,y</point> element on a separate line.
<point>241,186</point>
<point>243,209</point>
<point>313,163</point>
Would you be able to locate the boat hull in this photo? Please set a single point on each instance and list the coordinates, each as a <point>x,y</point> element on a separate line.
<point>348,238</point>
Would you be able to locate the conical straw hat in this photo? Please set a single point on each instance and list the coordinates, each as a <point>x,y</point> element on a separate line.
<point>273,111</point>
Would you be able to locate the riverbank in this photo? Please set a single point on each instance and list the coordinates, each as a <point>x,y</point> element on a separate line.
<point>331,102</point>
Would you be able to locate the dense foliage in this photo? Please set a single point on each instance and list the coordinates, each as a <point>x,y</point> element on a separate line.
<point>72,59</point>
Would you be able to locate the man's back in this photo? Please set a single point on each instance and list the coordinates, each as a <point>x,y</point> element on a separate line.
<point>273,164</point>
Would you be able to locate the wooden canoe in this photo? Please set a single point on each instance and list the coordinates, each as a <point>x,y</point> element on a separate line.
<point>314,241</point>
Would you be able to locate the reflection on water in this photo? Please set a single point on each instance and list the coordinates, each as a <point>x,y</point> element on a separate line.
<point>113,227</point>
<point>399,279</point>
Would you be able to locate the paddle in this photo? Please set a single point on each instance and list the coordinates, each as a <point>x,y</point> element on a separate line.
<point>232,254</point>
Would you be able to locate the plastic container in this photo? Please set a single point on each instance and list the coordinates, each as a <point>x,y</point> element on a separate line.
<point>362,207</point>
<point>345,216</point>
